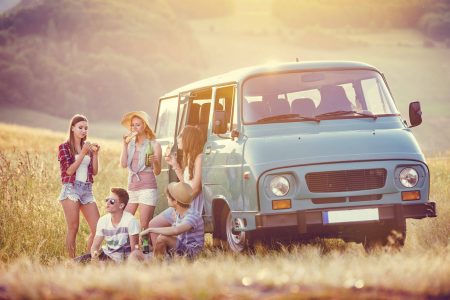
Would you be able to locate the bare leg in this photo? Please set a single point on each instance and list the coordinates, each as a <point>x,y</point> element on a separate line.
<point>72,215</point>
<point>91,214</point>
<point>156,222</point>
<point>145,214</point>
<point>131,208</point>
<point>163,243</point>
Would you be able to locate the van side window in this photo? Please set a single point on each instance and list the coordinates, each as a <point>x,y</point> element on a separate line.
<point>199,108</point>
<point>165,127</point>
<point>224,101</point>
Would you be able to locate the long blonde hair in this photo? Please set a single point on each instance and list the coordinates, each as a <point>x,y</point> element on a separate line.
<point>192,139</point>
<point>147,130</point>
<point>75,119</point>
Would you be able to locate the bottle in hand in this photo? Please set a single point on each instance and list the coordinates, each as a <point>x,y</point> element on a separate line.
<point>148,154</point>
<point>145,245</point>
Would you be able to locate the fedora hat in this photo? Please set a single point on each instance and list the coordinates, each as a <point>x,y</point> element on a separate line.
<point>181,192</point>
<point>126,119</point>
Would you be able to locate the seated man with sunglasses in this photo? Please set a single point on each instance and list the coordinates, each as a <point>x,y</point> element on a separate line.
<point>118,228</point>
<point>186,236</point>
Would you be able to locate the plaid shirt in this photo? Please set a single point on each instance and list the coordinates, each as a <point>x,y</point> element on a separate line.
<point>66,159</point>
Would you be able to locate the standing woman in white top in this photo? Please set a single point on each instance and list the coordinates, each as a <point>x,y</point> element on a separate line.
<point>191,142</point>
<point>142,156</point>
<point>78,161</point>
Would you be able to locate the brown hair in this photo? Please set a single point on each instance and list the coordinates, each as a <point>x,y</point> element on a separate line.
<point>75,119</point>
<point>192,139</point>
<point>147,130</point>
<point>122,194</point>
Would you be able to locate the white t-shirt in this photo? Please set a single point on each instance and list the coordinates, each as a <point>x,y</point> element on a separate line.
<point>117,238</point>
<point>82,171</point>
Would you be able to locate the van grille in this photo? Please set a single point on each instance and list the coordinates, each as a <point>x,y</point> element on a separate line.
<point>346,180</point>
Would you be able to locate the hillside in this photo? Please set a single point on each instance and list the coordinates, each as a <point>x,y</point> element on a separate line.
<point>7,4</point>
<point>64,57</point>
<point>94,57</point>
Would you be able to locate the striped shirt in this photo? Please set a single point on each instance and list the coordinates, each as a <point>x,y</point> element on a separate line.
<point>191,241</point>
<point>117,238</point>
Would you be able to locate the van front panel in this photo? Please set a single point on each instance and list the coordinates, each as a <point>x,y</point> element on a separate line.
<point>344,184</point>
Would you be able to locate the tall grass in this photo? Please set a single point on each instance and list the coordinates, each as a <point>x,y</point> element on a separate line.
<point>32,231</point>
<point>31,219</point>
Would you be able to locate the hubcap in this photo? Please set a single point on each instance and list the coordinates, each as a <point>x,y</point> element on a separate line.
<point>236,239</point>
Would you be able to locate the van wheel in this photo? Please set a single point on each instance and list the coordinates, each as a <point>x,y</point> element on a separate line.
<point>235,241</point>
<point>390,240</point>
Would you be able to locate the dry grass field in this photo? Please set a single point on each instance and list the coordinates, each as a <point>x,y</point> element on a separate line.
<point>33,266</point>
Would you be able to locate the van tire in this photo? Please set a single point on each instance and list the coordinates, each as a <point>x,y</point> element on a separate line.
<point>234,241</point>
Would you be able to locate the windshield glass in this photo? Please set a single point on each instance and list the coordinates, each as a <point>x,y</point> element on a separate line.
<point>321,95</point>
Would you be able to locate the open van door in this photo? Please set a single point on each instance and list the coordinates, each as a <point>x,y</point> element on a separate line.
<point>166,129</point>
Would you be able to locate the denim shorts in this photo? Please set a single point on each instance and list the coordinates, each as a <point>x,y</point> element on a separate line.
<point>77,191</point>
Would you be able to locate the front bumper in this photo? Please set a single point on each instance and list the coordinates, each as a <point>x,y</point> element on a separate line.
<point>303,219</point>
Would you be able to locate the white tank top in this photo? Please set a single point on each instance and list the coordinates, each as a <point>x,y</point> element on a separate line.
<point>82,171</point>
<point>186,176</point>
<point>197,203</point>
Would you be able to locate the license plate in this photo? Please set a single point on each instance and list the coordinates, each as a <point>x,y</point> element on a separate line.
<point>351,215</point>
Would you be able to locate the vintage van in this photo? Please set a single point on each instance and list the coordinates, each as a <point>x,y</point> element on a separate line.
<point>301,150</point>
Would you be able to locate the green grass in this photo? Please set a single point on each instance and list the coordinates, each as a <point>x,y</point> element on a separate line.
<point>33,265</point>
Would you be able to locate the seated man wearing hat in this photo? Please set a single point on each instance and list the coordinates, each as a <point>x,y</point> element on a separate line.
<point>186,235</point>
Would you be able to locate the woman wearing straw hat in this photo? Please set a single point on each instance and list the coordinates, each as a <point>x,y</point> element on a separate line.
<point>141,154</point>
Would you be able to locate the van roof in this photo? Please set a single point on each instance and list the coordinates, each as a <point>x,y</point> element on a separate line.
<point>239,75</point>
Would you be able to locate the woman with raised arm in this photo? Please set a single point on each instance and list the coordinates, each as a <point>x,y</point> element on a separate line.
<point>191,142</point>
<point>78,161</point>
<point>141,154</point>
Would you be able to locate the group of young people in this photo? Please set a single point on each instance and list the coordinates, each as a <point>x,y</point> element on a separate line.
<point>178,230</point>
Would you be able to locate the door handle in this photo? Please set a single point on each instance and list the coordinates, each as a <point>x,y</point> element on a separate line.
<point>208,150</point>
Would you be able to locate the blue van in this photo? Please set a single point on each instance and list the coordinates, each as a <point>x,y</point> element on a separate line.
<point>302,150</point>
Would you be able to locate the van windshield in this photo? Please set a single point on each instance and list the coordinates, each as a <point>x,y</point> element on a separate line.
<point>315,96</point>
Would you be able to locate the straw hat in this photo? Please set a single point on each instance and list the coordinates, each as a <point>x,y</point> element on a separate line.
<point>126,119</point>
<point>181,192</point>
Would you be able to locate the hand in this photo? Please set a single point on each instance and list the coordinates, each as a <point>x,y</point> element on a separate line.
<point>168,150</point>
<point>152,158</point>
<point>172,161</point>
<point>127,137</point>
<point>124,137</point>
<point>145,232</point>
<point>95,148</point>
<point>86,148</point>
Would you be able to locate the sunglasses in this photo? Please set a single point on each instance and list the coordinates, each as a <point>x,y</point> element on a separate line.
<point>110,200</point>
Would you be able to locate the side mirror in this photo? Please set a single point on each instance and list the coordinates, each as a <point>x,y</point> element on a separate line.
<point>415,114</point>
<point>219,122</point>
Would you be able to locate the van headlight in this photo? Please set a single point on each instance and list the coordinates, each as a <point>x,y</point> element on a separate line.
<point>409,177</point>
<point>279,186</point>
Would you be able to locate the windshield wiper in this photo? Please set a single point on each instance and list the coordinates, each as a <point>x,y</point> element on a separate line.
<point>287,117</point>
<point>345,112</point>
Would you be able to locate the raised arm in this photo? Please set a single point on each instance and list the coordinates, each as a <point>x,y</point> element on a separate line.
<point>95,164</point>
<point>74,166</point>
<point>157,159</point>
<point>172,160</point>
